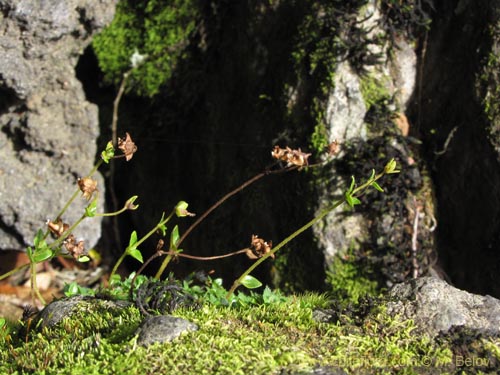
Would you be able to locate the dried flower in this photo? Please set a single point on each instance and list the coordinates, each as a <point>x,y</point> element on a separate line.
<point>259,248</point>
<point>57,228</point>
<point>333,148</point>
<point>129,205</point>
<point>291,157</point>
<point>76,249</point>
<point>127,146</point>
<point>87,186</point>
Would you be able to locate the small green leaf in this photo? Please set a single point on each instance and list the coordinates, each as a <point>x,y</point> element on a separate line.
<point>372,175</point>
<point>377,186</point>
<point>133,239</point>
<point>136,254</point>
<point>29,252</point>
<point>91,209</point>
<point>115,280</point>
<point>163,229</point>
<point>355,201</point>
<point>3,322</point>
<point>174,237</point>
<point>71,289</point>
<point>39,240</point>
<point>391,167</point>
<point>42,255</point>
<point>351,201</point>
<point>108,153</point>
<point>250,282</point>
<point>83,259</point>
<point>353,183</point>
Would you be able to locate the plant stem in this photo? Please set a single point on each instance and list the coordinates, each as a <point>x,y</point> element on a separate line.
<point>255,178</point>
<point>11,272</point>
<point>359,190</point>
<point>144,238</point>
<point>281,244</point>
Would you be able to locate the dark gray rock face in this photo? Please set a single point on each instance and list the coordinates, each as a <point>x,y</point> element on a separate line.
<point>47,128</point>
<point>436,307</point>
<point>162,328</point>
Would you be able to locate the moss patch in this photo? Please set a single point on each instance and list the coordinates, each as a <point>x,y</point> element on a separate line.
<point>252,340</point>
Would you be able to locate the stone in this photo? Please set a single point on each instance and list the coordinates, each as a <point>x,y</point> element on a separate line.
<point>57,310</point>
<point>436,307</point>
<point>48,129</point>
<point>162,328</point>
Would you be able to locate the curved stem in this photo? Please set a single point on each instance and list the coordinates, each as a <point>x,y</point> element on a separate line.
<point>11,272</point>
<point>357,191</point>
<point>281,244</point>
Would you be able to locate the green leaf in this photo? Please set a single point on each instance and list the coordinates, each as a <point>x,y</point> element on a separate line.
<point>136,254</point>
<point>174,237</point>
<point>391,167</point>
<point>372,175</point>
<point>377,186</point>
<point>91,209</point>
<point>39,240</point>
<point>351,188</point>
<point>351,201</point>
<point>250,282</point>
<point>71,289</point>
<point>133,239</point>
<point>355,201</point>
<point>108,153</point>
<point>29,252</point>
<point>83,259</point>
<point>42,255</point>
<point>163,229</point>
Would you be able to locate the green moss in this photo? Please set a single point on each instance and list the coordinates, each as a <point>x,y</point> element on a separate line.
<point>257,340</point>
<point>157,29</point>
<point>373,90</point>
<point>348,282</point>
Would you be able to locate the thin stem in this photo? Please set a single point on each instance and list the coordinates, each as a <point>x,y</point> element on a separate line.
<point>11,272</point>
<point>114,141</point>
<point>117,264</point>
<point>144,238</point>
<point>281,244</point>
<point>34,286</point>
<point>257,177</point>
<point>359,190</point>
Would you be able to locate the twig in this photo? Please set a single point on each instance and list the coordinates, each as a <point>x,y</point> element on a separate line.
<point>447,142</point>
<point>114,140</point>
<point>414,240</point>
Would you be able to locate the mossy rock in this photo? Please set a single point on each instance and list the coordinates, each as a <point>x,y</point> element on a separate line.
<point>280,337</point>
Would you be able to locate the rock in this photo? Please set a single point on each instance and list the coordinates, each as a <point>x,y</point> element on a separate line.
<point>48,129</point>
<point>55,311</point>
<point>436,307</point>
<point>162,328</point>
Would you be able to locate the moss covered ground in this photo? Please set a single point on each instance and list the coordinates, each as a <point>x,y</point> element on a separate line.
<point>279,337</point>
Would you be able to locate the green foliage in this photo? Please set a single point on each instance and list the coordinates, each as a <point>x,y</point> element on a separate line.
<point>281,337</point>
<point>213,292</point>
<point>157,30</point>
<point>373,91</point>
<point>348,283</point>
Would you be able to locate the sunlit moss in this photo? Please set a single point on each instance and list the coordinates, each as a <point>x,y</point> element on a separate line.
<point>246,340</point>
<point>159,30</point>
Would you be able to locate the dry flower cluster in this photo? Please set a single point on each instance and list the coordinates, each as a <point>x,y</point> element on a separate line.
<point>291,157</point>
<point>259,248</point>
